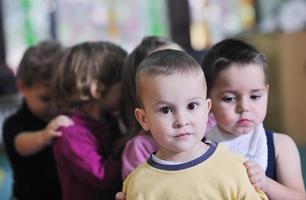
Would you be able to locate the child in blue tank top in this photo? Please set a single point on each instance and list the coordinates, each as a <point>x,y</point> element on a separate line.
<point>237,83</point>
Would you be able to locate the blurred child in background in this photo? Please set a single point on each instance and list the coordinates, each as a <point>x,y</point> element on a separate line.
<point>140,144</point>
<point>28,134</point>
<point>87,87</point>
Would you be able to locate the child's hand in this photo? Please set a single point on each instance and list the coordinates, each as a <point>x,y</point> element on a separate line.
<point>51,130</point>
<point>256,175</point>
<point>120,196</point>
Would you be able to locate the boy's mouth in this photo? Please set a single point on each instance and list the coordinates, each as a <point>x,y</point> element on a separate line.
<point>180,135</point>
<point>244,122</point>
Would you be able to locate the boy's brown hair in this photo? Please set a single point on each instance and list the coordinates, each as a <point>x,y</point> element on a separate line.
<point>227,53</point>
<point>164,63</point>
<point>38,63</point>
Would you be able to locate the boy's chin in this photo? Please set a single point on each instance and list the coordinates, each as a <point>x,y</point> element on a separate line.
<point>240,132</point>
<point>46,118</point>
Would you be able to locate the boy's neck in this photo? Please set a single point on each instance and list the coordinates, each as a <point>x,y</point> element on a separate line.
<point>182,157</point>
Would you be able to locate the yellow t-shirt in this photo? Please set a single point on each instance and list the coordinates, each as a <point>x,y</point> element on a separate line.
<point>217,174</point>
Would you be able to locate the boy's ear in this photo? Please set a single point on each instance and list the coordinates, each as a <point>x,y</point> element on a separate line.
<point>141,118</point>
<point>209,104</point>
<point>22,88</point>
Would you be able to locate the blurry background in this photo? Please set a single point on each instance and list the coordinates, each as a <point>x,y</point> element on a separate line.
<point>276,27</point>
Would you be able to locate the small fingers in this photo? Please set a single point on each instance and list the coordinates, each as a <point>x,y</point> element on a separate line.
<point>120,196</point>
<point>259,185</point>
<point>258,180</point>
<point>57,133</point>
<point>63,120</point>
<point>249,164</point>
<point>252,171</point>
<point>254,179</point>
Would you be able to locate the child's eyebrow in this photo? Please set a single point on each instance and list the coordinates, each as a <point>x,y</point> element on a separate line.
<point>162,102</point>
<point>198,97</point>
<point>258,90</point>
<point>235,91</point>
<point>226,91</point>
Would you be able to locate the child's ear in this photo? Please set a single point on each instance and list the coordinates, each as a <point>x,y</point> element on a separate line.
<point>95,91</point>
<point>22,88</point>
<point>141,118</point>
<point>209,104</point>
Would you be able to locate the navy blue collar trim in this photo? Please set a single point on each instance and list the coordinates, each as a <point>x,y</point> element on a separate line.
<point>212,146</point>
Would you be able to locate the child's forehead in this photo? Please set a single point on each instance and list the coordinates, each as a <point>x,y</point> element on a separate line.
<point>174,81</point>
<point>237,68</point>
<point>242,74</point>
<point>173,74</point>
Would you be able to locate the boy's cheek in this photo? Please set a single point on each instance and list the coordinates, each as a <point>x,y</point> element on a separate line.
<point>44,111</point>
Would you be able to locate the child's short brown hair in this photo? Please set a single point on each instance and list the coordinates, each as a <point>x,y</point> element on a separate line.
<point>164,63</point>
<point>38,63</point>
<point>228,52</point>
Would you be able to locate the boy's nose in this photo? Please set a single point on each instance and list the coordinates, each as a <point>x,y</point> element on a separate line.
<point>243,106</point>
<point>181,121</point>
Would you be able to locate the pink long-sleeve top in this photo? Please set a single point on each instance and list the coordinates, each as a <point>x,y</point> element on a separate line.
<point>136,151</point>
<point>82,154</point>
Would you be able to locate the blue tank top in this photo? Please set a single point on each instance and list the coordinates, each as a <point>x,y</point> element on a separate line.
<point>271,168</point>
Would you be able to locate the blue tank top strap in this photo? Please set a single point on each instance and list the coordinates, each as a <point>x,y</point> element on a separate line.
<point>271,168</point>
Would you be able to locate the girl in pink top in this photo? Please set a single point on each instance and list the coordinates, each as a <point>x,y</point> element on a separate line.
<point>138,144</point>
<point>87,87</point>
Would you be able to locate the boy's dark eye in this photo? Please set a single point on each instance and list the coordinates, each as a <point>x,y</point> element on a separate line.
<point>228,99</point>
<point>255,97</point>
<point>165,110</point>
<point>192,106</point>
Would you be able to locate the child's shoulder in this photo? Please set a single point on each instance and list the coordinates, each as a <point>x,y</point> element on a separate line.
<point>283,144</point>
<point>226,160</point>
<point>139,172</point>
<point>282,137</point>
<point>223,153</point>
<point>19,117</point>
<point>142,141</point>
<point>282,140</point>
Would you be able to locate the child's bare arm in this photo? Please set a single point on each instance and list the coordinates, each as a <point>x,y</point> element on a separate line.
<point>290,184</point>
<point>28,143</point>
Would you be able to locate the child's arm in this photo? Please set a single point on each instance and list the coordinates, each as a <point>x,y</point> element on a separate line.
<point>29,143</point>
<point>79,150</point>
<point>289,183</point>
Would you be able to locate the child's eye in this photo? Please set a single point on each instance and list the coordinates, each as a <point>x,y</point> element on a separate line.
<point>255,97</point>
<point>165,110</point>
<point>229,99</point>
<point>45,99</point>
<point>192,106</point>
